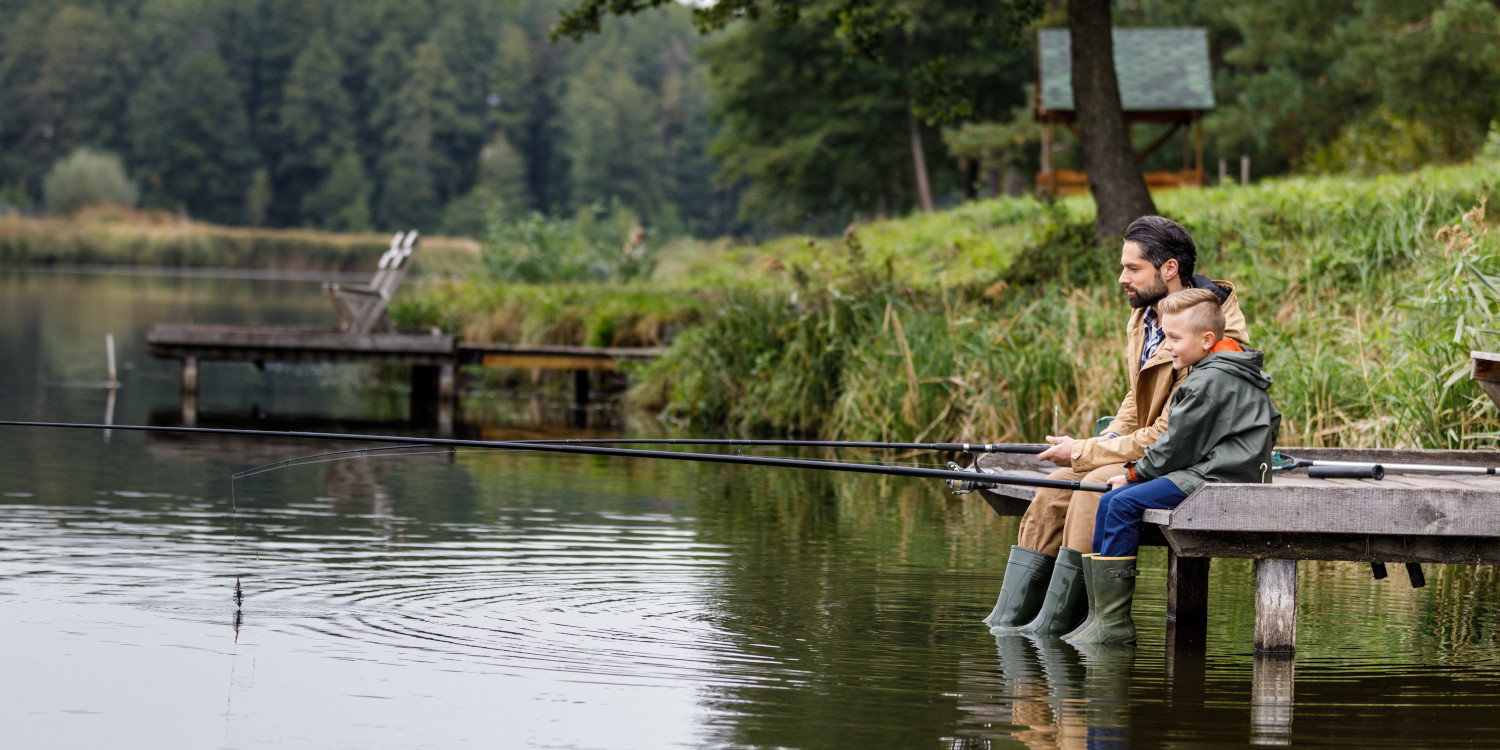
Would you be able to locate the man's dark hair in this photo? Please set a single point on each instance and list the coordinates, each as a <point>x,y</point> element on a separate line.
<point>1161,240</point>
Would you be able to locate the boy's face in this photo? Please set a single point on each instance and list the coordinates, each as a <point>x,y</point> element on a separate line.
<point>1186,346</point>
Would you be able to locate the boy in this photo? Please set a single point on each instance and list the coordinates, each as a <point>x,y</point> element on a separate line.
<point>1221,429</point>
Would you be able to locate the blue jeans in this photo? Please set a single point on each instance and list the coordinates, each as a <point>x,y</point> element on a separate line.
<point>1117,525</point>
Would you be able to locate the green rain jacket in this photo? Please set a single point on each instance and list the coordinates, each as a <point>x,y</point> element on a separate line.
<point>1222,426</point>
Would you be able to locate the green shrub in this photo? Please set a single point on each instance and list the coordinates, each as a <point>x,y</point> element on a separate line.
<point>603,242</point>
<point>87,178</point>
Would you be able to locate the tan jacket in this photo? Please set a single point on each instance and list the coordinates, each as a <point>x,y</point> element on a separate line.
<point>1142,417</point>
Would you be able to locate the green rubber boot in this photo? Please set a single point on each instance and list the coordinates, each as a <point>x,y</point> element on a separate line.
<point>1088,597</point>
<point>1021,591</point>
<point>1115,580</point>
<point>1065,603</point>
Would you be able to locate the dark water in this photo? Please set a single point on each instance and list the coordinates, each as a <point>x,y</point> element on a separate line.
<point>501,600</point>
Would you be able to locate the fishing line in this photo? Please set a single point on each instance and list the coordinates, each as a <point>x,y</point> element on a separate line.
<point>299,459</point>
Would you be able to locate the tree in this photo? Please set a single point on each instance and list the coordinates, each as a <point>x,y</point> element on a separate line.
<point>87,178</point>
<point>342,202</point>
<point>64,79</point>
<point>1115,180</point>
<point>433,118</point>
<point>806,132</point>
<point>192,144</point>
<point>610,141</point>
<point>500,188</point>
<point>872,28</point>
<point>316,125</point>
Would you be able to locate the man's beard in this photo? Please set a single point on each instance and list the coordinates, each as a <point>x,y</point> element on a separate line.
<point>1148,296</point>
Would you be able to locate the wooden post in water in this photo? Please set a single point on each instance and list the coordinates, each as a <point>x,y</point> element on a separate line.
<point>1275,606</point>
<point>1272,690</point>
<point>109,352</point>
<point>580,388</point>
<point>447,384</point>
<point>190,375</point>
<point>1187,599</point>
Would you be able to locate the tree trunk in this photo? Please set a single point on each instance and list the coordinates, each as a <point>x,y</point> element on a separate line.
<point>919,159</point>
<point>1115,179</point>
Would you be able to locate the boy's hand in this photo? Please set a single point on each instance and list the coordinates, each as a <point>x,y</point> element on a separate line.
<point>1116,482</point>
<point>1061,452</point>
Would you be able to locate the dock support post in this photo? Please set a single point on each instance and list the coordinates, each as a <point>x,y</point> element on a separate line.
<point>580,388</point>
<point>1275,606</point>
<point>190,374</point>
<point>1272,690</point>
<point>1187,596</point>
<point>425,383</point>
<point>447,385</point>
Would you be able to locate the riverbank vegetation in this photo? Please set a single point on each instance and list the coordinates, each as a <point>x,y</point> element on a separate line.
<point>1001,320</point>
<point>112,235</point>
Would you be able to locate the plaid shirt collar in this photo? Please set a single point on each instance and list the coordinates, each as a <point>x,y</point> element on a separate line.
<point>1154,335</point>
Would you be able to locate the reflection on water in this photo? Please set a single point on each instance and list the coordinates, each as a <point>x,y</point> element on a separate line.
<point>443,598</point>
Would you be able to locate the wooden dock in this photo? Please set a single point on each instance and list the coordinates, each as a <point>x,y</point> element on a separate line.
<point>433,357</point>
<point>1403,518</point>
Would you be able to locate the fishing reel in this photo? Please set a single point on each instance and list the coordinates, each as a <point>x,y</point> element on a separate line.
<point>966,486</point>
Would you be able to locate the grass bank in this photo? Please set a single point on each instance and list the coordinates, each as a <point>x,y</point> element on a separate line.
<point>1000,320</point>
<point>115,236</point>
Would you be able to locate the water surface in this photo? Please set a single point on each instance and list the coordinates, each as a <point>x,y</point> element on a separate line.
<point>488,599</point>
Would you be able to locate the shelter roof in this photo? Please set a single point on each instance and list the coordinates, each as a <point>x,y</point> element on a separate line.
<point>1159,70</point>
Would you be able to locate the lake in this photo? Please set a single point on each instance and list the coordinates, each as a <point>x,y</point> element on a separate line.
<point>494,599</point>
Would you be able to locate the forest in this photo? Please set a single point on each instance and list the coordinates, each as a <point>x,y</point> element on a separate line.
<point>448,114</point>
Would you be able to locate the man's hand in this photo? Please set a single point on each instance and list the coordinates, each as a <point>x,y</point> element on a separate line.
<point>1118,481</point>
<point>1061,452</point>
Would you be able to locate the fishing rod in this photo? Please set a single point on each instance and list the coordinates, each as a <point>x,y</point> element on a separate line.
<point>1027,448</point>
<point>1322,469</point>
<point>975,477</point>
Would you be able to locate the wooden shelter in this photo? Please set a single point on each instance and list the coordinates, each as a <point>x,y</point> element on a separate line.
<point>1164,78</point>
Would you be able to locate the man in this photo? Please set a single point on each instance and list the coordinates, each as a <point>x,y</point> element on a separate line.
<point>1042,592</point>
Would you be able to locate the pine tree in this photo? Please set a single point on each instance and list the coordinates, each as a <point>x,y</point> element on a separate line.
<point>611,141</point>
<point>342,202</point>
<point>316,122</point>
<point>191,142</point>
<point>432,125</point>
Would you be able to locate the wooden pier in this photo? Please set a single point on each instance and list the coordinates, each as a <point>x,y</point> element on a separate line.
<point>1403,518</point>
<point>434,358</point>
<point>367,334</point>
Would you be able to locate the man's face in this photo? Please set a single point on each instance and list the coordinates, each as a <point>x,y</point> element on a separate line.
<point>1186,346</point>
<point>1142,281</point>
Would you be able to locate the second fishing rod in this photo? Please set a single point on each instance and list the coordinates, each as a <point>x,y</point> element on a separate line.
<point>974,477</point>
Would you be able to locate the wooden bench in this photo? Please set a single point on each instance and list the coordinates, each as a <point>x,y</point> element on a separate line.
<point>362,307</point>
<point>1406,518</point>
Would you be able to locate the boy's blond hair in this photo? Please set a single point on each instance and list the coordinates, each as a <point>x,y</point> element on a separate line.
<point>1201,307</point>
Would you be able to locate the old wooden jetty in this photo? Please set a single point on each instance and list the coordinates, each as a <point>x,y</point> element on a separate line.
<point>366,334</point>
<point>1403,518</point>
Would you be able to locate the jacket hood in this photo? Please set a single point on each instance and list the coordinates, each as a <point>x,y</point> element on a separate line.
<point>1245,365</point>
<point>1199,281</point>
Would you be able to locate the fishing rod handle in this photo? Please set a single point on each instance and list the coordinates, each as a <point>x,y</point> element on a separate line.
<point>1371,471</point>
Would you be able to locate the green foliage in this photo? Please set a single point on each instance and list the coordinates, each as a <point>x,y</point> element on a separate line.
<point>601,243</point>
<point>202,98</point>
<point>192,144</point>
<point>342,202</point>
<point>114,235</point>
<point>1000,320</point>
<point>814,129</point>
<point>87,178</point>
<point>258,198</point>
<point>1334,85</point>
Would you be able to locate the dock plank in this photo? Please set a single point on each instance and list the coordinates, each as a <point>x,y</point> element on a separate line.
<point>1372,509</point>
